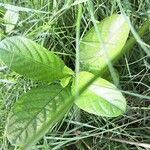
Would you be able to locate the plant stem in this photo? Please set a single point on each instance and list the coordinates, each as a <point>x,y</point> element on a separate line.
<point>132,41</point>
<point>77,61</point>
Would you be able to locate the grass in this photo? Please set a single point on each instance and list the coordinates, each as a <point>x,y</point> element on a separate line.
<point>53,24</point>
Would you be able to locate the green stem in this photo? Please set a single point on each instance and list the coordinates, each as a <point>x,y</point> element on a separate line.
<point>132,41</point>
<point>77,62</point>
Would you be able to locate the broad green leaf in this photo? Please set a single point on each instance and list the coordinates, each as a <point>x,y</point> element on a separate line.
<point>101,98</point>
<point>95,52</point>
<point>11,17</point>
<point>32,60</point>
<point>35,113</point>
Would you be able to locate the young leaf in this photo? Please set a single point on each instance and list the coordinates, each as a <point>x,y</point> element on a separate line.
<point>11,17</point>
<point>65,81</point>
<point>113,31</point>
<point>101,98</point>
<point>35,113</point>
<point>32,60</point>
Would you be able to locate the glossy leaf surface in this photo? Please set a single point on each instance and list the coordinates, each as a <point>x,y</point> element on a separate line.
<point>96,51</point>
<point>32,60</point>
<point>101,98</point>
<point>35,113</point>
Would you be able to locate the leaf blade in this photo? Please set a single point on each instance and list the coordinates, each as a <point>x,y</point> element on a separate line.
<point>101,98</point>
<point>31,59</point>
<point>114,31</point>
<point>42,107</point>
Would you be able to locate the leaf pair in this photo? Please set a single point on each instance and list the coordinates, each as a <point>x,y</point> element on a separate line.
<point>37,110</point>
<point>97,50</point>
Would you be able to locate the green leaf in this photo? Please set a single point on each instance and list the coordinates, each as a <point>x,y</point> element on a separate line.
<point>35,113</point>
<point>32,60</point>
<point>101,98</point>
<point>11,17</point>
<point>114,31</point>
<point>65,81</point>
